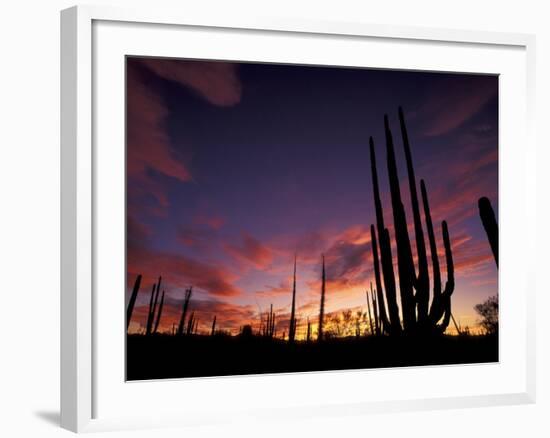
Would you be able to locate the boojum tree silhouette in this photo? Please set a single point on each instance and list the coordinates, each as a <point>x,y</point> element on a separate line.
<point>418,316</point>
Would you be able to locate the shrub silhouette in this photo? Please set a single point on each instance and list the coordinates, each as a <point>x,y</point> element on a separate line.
<point>488,310</point>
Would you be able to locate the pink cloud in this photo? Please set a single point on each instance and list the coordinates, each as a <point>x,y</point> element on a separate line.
<point>217,82</point>
<point>284,287</point>
<point>214,222</point>
<point>251,250</point>
<point>474,259</point>
<point>181,272</point>
<point>148,142</point>
<point>196,237</point>
<point>149,145</point>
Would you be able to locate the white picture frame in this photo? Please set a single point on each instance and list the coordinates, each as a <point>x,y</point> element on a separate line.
<point>87,379</point>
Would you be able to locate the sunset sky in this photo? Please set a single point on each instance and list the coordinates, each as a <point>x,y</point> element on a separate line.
<point>233,168</point>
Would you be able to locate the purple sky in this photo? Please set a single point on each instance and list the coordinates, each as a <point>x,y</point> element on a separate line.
<point>233,168</point>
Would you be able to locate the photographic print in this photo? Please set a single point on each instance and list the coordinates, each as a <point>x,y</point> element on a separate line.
<point>298,218</point>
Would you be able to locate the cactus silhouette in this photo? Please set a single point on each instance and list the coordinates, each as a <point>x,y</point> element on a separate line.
<point>159,313</point>
<point>308,333</point>
<point>421,282</point>
<point>371,325</point>
<point>185,306</point>
<point>401,234</point>
<point>322,306</point>
<point>191,323</point>
<point>271,322</point>
<point>213,331</point>
<point>132,301</point>
<point>151,301</point>
<point>375,310</point>
<point>393,325</point>
<point>268,330</point>
<point>417,314</point>
<point>152,308</point>
<point>487,215</point>
<point>441,298</point>
<point>292,325</point>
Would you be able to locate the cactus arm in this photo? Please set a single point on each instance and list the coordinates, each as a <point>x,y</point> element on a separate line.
<point>450,284</point>
<point>159,313</point>
<point>132,301</point>
<point>385,251</point>
<point>272,328</point>
<point>182,317</point>
<point>404,252</point>
<point>436,308</point>
<point>381,306</point>
<point>150,311</point>
<point>190,323</point>
<point>213,332</point>
<point>375,188</point>
<point>391,293</point>
<point>369,312</point>
<point>489,221</point>
<point>422,281</point>
<point>374,310</point>
<point>188,293</point>
<point>153,309</point>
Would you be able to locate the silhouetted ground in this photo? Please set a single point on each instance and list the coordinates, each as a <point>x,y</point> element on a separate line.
<point>161,356</point>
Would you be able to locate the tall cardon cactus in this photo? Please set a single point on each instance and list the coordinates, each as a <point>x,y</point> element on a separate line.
<point>418,316</point>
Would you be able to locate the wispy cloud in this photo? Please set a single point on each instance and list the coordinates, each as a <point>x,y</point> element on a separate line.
<point>216,82</point>
<point>180,271</point>
<point>251,251</point>
<point>149,144</point>
<point>284,287</point>
<point>150,147</point>
<point>452,102</point>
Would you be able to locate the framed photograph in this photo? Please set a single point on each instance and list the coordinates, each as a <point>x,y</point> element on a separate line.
<point>254,209</point>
